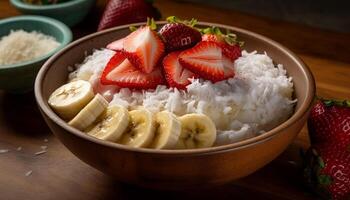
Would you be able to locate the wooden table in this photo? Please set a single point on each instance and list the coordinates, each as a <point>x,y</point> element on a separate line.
<point>58,174</point>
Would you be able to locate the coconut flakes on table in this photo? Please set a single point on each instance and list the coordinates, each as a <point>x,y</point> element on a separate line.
<point>43,147</point>
<point>4,150</point>
<point>40,152</point>
<point>28,173</point>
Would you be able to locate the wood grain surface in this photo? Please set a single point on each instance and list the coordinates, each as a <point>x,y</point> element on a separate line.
<point>57,174</point>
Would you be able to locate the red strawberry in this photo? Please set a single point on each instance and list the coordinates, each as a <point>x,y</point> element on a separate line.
<point>229,71</point>
<point>327,168</point>
<point>119,12</point>
<point>144,48</point>
<point>176,75</point>
<point>230,47</point>
<point>204,59</point>
<point>179,34</point>
<point>327,171</point>
<point>116,45</point>
<point>119,71</point>
<point>330,121</point>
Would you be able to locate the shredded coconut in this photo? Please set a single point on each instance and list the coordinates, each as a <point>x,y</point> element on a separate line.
<point>20,46</point>
<point>256,100</point>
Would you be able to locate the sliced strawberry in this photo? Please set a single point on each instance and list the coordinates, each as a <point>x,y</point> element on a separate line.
<point>232,51</point>
<point>144,48</point>
<point>176,75</point>
<point>119,71</point>
<point>112,63</point>
<point>204,59</point>
<point>229,70</point>
<point>116,45</point>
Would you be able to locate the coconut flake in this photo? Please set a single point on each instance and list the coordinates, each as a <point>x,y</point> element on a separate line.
<point>28,173</point>
<point>4,150</point>
<point>40,152</point>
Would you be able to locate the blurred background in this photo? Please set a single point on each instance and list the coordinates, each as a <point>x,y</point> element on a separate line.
<point>330,15</point>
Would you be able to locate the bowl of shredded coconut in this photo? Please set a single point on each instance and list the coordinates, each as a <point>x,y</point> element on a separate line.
<point>257,113</point>
<point>26,42</point>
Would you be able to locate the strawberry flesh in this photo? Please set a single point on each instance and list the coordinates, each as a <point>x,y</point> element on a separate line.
<point>177,36</point>
<point>116,45</point>
<point>176,75</point>
<point>229,71</point>
<point>143,48</point>
<point>119,71</point>
<point>230,51</point>
<point>204,59</point>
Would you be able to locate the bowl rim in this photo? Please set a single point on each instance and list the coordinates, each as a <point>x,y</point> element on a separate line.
<point>67,37</point>
<point>27,6</point>
<point>304,108</point>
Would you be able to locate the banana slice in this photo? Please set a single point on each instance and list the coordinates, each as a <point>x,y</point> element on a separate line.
<point>198,131</point>
<point>89,113</point>
<point>167,132</point>
<point>111,124</point>
<point>141,129</point>
<point>70,98</point>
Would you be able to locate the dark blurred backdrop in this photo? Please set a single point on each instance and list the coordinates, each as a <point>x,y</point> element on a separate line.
<point>331,15</point>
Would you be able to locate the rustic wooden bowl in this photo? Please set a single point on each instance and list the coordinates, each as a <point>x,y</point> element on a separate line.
<point>175,169</point>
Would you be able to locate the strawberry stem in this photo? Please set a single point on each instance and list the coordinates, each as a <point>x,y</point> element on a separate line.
<point>132,28</point>
<point>174,19</point>
<point>330,102</point>
<point>151,23</point>
<point>229,38</point>
<point>313,176</point>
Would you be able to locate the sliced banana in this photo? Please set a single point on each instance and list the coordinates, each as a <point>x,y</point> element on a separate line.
<point>167,132</point>
<point>198,131</point>
<point>70,98</point>
<point>89,113</point>
<point>141,129</point>
<point>111,124</point>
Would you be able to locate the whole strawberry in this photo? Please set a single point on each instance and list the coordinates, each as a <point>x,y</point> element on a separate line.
<point>327,166</point>
<point>119,12</point>
<point>231,48</point>
<point>327,171</point>
<point>178,35</point>
<point>329,121</point>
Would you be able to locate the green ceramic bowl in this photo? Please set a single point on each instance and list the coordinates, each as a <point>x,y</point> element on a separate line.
<point>20,77</point>
<point>71,12</point>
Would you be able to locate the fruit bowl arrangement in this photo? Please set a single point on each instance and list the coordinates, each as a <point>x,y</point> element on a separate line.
<point>144,60</point>
<point>142,63</point>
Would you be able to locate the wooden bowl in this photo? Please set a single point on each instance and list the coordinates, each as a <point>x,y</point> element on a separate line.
<point>175,169</point>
